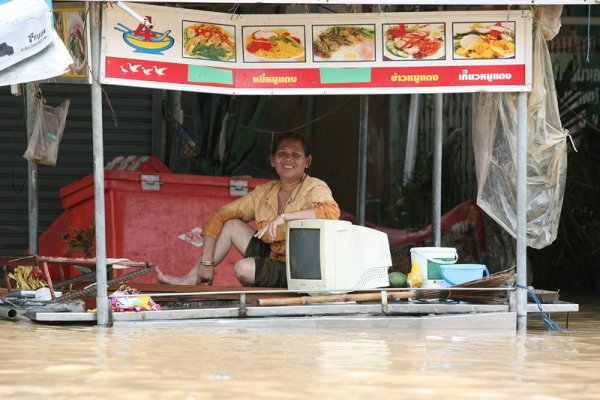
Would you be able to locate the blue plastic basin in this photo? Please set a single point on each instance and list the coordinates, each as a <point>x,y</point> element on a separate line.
<point>455,274</point>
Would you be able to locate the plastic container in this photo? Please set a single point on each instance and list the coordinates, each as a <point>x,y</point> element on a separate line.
<point>428,261</point>
<point>456,274</point>
<point>151,217</point>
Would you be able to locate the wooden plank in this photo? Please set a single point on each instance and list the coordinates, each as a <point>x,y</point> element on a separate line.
<point>499,321</point>
<point>15,261</point>
<point>198,290</point>
<point>544,296</point>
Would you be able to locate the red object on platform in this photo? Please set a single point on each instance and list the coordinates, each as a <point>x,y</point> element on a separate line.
<point>137,163</point>
<point>462,228</point>
<point>153,217</point>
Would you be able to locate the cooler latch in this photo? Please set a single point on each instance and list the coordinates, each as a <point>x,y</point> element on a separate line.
<point>150,182</point>
<point>238,188</point>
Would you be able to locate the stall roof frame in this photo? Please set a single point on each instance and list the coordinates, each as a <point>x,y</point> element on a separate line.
<point>381,2</point>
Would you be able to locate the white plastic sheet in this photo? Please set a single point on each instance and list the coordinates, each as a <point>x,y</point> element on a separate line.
<point>32,49</point>
<point>50,62</point>
<point>494,144</point>
<point>24,30</point>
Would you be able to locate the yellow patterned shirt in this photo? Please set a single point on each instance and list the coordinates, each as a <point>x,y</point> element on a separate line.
<point>261,206</point>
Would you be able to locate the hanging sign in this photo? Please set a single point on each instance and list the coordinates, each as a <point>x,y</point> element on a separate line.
<point>426,52</point>
<point>70,22</point>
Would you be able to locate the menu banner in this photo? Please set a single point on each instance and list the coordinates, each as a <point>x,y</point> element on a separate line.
<point>416,52</point>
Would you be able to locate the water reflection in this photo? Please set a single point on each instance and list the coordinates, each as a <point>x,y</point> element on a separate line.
<point>180,361</point>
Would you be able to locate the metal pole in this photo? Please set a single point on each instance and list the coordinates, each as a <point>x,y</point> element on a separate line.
<point>31,94</point>
<point>362,160</point>
<point>174,105</point>
<point>102,313</point>
<point>438,102</point>
<point>309,130</point>
<point>411,138</point>
<point>394,139</point>
<point>521,297</point>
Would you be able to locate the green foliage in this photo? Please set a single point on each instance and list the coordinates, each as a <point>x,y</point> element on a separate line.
<point>239,135</point>
<point>412,208</point>
<point>572,261</point>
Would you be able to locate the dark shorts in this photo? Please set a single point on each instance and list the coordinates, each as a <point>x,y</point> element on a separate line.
<point>268,272</point>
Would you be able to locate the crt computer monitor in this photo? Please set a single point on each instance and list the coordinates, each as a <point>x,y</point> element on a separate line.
<point>335,256</point>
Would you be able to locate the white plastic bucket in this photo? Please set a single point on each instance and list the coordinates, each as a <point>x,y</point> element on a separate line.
<point>428,260</point>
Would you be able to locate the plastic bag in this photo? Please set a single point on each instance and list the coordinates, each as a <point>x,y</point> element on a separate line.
<point>47,133</point>
<point>495,148</point>
<point>132,300</point>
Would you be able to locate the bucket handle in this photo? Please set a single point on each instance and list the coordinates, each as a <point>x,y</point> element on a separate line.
<point>486,271</point>
<point>444,261</point>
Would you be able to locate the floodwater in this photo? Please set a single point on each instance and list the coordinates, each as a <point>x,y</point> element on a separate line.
<point>190,362</point>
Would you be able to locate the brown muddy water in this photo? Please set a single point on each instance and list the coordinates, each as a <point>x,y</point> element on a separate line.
<point>179,361</point>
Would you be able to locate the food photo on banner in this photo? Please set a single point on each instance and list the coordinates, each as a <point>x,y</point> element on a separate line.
<point>416,52</point>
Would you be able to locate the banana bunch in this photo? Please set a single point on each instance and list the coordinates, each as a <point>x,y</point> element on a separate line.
<point>26,278</point>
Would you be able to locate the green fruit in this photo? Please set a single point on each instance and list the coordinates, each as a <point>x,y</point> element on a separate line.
<point>397,279</point>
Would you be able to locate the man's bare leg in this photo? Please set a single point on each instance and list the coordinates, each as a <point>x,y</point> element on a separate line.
<point>235,233</point>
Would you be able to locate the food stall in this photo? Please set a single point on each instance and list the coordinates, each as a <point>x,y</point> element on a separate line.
<point>388,53</point>
<point>192,50</point>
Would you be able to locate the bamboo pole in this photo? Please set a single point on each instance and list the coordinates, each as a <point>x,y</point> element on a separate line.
<point>330,298</point>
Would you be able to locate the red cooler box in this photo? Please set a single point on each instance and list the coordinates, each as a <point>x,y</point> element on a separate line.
<point>153,217</point>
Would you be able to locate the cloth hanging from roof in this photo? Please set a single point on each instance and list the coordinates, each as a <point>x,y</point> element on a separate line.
<point>228,132</point>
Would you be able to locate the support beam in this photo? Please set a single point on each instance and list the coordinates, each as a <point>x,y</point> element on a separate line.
<point>102,301</point>
<point>522,213</point>
<point>31,93</point>
<point>361,197</point>
<point>411,138</point>
<point>438,103</point>
<point>394,143</point>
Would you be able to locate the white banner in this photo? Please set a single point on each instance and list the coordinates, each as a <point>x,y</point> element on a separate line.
<point>426,52</point>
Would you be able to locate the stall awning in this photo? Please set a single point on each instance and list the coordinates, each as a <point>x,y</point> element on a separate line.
<point>333,53</point>
<point>396,2</point>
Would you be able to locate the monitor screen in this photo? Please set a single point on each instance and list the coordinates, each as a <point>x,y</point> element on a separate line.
<point>305,253</point>
<point>334,256</point>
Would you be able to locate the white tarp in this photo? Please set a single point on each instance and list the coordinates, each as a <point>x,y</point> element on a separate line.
<point>24,30</point>
<point>30,49</point>
<point>494,144</point>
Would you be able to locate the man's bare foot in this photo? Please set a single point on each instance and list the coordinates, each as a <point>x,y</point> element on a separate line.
<point>191,278</point>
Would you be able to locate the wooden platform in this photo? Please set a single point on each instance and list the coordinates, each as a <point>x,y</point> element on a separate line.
<point>240,308</point>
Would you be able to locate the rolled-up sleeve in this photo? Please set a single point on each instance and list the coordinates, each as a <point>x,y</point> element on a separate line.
<point>242,208</point>
<point>327,210</point>
<point>322,201</point>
